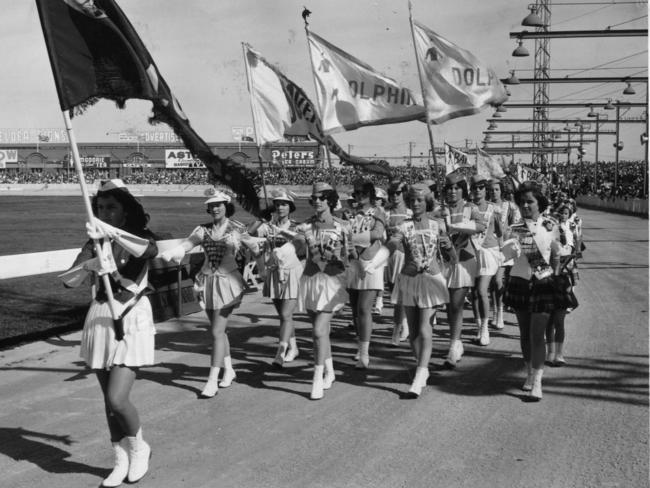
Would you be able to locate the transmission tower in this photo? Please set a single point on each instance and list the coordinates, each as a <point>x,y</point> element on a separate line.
<point>541,86</point>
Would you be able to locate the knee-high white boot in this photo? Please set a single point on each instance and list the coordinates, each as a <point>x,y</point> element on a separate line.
<point>228,373</point>
<point>121,469</point>
<point>329,374</point>
<point>536,391</point>
<point>211,387</point>
<point>528,384</point>
<point>317,383</point>
<point>139,454</point>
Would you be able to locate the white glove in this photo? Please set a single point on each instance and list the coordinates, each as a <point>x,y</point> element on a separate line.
<point>379,260</point>
<point>511,249</point>
<point>175,254</point>
<point>361,239</point>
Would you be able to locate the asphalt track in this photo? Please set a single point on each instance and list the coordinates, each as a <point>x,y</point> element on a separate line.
<point>470,428</point>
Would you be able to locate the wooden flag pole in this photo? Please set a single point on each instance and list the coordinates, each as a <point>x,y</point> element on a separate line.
<point>327,151</point>
<point>438,178</point>
<point>249,81</point>
<point>89,212</point>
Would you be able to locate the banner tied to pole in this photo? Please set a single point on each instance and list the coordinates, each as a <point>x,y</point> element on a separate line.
<point>352,94</point>
<point>95,53</point>
<point>487,164</point>
<point>282,109</point>
<point>456,159</point>
<point>455,83</point>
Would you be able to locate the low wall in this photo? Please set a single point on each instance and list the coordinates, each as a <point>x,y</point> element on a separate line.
<point>72,189</point>
<point>631,206</point>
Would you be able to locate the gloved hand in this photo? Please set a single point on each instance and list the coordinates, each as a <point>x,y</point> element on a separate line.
<point>99,229</point>
<point>511,249</point>
<point>175,254</point>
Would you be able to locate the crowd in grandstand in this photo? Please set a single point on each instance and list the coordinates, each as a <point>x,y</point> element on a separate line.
<point>578,180</point>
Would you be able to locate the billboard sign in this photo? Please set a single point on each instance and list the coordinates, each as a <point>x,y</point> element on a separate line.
<point>293,159</point>
<point>8,156</point>
<point>181,158</point>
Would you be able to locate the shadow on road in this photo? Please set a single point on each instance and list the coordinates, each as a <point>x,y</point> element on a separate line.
<point>34,447</point>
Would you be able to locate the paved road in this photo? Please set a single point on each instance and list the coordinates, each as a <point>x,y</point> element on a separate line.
<point>470,428</point>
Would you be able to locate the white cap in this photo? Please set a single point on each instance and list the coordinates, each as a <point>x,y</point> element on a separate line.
<point>215,195</point>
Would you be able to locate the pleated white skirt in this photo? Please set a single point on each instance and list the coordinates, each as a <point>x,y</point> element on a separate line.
<point>322,293</point>
<point>423,290</point>
<point>100,350</point>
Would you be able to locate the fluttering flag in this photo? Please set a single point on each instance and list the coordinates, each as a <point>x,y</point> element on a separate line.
<point>281,108</point>
<point>455,159</point>
<point>352,94</point>
<point>487,164</point>
<point>96,53</point>
<point>455,83</point>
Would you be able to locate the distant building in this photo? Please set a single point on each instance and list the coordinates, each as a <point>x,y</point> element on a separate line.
<point>123,158</point>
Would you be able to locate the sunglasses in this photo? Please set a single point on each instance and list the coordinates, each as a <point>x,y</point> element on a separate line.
<point>478,187</point>
<point>313,199</point>
<point>396,192</point>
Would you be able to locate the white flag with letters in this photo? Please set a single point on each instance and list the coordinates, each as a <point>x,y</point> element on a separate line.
<point>455,82</point>
<point>352,94</point>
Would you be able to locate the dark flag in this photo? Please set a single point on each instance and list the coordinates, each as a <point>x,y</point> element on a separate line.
<point>96,53</point>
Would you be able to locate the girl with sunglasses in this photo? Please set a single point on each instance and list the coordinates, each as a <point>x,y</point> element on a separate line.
<point>397,212</point>
<point>365,273</point>
<point>223,285</point>
<point>462,220</point>
<point>281,269</point>
<point>322,285</point>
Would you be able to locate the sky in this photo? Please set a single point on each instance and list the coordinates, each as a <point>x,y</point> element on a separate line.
<point>196,45</point>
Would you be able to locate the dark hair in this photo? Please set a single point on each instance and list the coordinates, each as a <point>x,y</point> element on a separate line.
<point>534,188</point>
<point>463,185</point>
<point>292,206</point>
<point>367,187</point>
<point>332,198</point>
<point>230,208</point>
<point>136,217</point>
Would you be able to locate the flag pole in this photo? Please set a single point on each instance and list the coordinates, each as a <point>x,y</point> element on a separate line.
<point>249,81</point>
<point>311,60</point>
<point>89,214</point>
<point>426,107</point>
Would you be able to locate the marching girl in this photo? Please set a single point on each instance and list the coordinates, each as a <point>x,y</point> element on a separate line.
<point>508,214</point>
<point>488,256</point>
<point>380,203</point>
<point>532,290</point>
<point>462,220</point>
<point>116,349</point>
<point>555,332</point>
<point>223,285</point>
<point>281,269</point>
<point>365,276</point>
<point>420,285</point>
<point>322,289</point>
<point>397,212</point>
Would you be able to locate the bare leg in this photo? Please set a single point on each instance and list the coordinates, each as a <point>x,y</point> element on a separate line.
<point>119,381</point>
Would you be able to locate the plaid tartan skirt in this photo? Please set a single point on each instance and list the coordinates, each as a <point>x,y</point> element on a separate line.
<point>537,296</point>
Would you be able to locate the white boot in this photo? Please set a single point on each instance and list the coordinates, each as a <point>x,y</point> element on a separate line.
<point>404,330</point>
<point>364,355</point>
<point>455,353</point>
<point>550,353</point>
<point>394,340</point>
<point>329,374</point>
<point>317,383</point>
<point>121,469</point>
<point>211,387</point>
<point>536,392</point>
<point>484,338</point>
<point>419,382</point>
<point>528,384</point>
<point>228,373</point>
<point>498,324</point>
<point>479,328</point>
<point>139,454</point>
<point>292,352</point>
<point>559,357</point>
<point>278,361</point>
